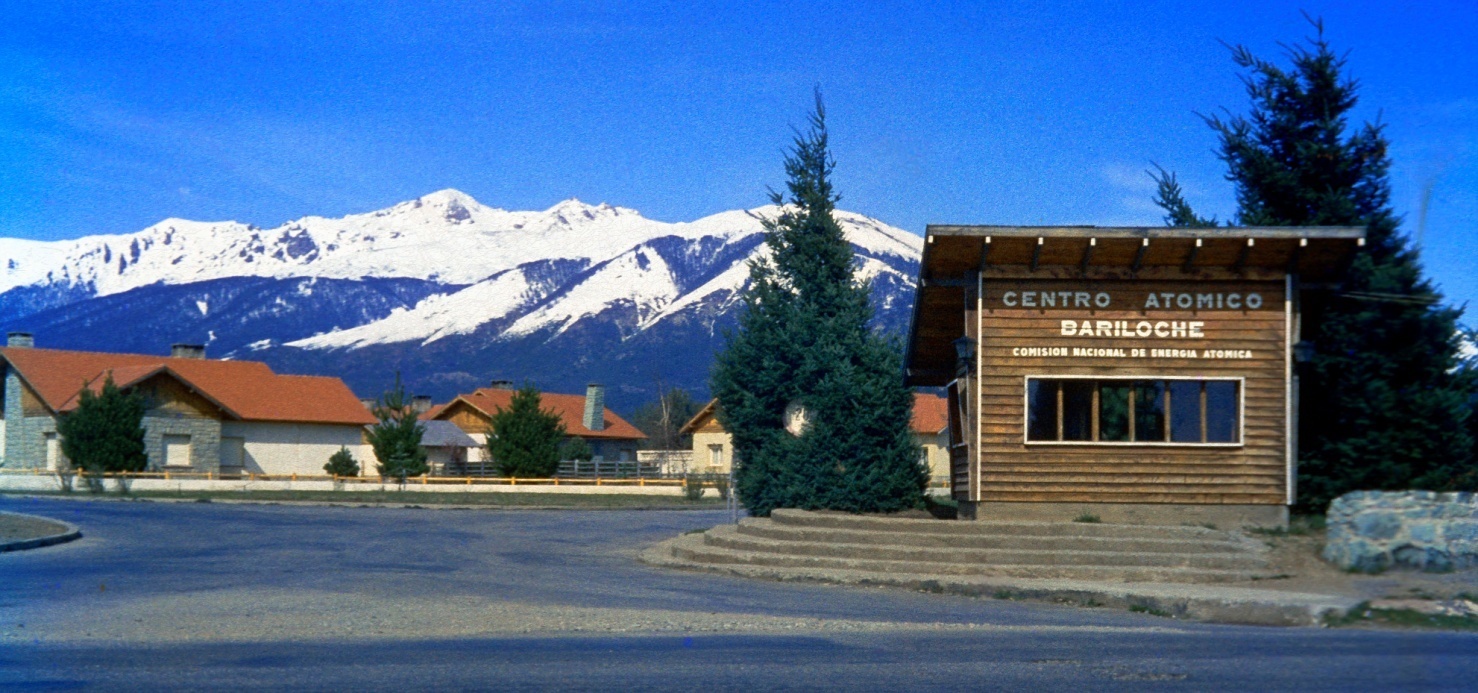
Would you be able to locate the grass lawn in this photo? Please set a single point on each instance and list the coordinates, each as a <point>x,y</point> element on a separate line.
<point>594,501</point>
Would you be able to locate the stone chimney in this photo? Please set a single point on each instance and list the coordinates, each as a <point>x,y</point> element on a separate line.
<point>595,407</point>
<point>187,351</point>
<point>502,385</point>
<point>421,404</point>
<point>368,403</point>
<point>19,340</point>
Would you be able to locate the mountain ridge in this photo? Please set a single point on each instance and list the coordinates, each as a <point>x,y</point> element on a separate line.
<point>560,294</point>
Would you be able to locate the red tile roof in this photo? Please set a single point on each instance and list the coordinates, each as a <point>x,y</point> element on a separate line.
<point>245,390</point>
<point>569,408</point>
<point>930,413</point>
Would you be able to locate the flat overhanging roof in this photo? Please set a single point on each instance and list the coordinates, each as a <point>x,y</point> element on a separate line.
<point>954,254</point>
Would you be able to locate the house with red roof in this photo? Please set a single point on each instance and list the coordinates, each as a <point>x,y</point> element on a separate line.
<point>584,416</point>
<point>713,448</point>
<point>202,415</point>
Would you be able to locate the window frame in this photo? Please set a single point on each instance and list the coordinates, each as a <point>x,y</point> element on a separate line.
<point>1241,382</point>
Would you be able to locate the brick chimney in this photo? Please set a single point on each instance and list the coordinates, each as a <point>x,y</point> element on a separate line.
<point>187,351</point>
<point>502,385</point>
<point>595,407</point>
<point>19,340</point>
<point>421,404</point>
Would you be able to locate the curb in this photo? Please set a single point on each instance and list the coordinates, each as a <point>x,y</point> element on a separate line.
<point>69,532</point>
<point>1199,602</point>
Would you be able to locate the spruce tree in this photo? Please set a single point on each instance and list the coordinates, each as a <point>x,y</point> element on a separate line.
<point>803,343</point>
<point>1384,403</point>
<point>524,440</point>
<point>396,439</point>
<point>105,432</point>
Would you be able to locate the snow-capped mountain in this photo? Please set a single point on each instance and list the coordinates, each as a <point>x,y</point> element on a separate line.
<point>449,291</point>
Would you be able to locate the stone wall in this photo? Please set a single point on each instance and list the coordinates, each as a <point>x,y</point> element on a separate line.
<point>204,434</point>
<point>1375,530</point>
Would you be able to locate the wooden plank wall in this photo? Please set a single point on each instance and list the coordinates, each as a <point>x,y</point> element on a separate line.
<point>1012,470</point>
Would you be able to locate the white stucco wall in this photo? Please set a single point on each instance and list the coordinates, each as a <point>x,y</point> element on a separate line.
<point>291,448</point>
<point>936,452</point>
<point>479,453</point>
<point>703,457</point>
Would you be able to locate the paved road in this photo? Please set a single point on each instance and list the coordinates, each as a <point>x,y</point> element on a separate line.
<point>216,596</point>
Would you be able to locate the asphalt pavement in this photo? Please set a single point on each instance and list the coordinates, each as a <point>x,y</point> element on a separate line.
<point>227,597</point>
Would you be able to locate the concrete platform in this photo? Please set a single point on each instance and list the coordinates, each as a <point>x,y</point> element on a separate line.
<point>1162,569</point>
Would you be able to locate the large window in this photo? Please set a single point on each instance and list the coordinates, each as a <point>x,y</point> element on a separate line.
<point>1133,411</point>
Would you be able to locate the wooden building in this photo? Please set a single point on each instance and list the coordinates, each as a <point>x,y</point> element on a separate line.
<point>1143,375</point>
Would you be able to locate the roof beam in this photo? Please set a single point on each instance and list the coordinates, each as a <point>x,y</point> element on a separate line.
<point>1243,254</point>
<point>1144,245</point>
<point>1297,253</point>
<point>1190,260</point>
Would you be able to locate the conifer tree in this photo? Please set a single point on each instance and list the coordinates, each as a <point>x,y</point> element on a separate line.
<point>342,463</point>
<point>1384,403</point>
<point>803,345</point>
<point>105,432</point>
<point>396,439</point>
<point>524,440</point>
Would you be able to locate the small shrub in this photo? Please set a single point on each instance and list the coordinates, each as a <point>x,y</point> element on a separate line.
<point>692,487</point>
<point>342,463</point>
<point>1088,518</point>
<point>1143,609</point>
<point>575,448</point>
<point>721,484</point>
<point>1002,594</point>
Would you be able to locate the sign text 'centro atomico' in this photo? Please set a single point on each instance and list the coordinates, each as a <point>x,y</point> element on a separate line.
<point>1165,300</point>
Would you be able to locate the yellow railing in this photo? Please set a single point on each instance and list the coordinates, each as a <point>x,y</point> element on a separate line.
<point>422,480</point>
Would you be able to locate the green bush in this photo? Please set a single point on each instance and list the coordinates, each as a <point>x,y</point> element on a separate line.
<point>693,487</point>
<point>342,463</point>
<point>575,448</point>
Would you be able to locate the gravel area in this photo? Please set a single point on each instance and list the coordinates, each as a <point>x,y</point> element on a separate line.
<point>1296,559</point>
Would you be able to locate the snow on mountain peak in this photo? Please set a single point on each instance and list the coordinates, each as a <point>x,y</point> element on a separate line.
<point>445,236</point>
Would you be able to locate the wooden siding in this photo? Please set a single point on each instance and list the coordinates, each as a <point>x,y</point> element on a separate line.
<point>31,404</point>
<point>466,418</point>
<point>1254,472</point>
<point>167,395</point>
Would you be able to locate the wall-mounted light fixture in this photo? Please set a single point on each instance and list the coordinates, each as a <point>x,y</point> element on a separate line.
<point>964,355</point>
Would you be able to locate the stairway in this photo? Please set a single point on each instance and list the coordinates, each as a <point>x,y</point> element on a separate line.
<point>812,541</point>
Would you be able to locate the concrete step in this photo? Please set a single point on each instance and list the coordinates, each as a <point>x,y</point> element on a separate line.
<point>923,558</point>
<point>1180,598</point>
<point>805,518</point>
<point>704,554</point>
<point>769,529</point>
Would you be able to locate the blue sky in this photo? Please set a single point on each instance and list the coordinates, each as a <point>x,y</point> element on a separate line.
<point>114,115</point>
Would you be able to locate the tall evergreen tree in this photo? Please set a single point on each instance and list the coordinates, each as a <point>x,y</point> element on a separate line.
<point>803,345</point>
<point>524,440</point>
<point>105,433</point>
<point>396,439</point>
<point>1384,403</point>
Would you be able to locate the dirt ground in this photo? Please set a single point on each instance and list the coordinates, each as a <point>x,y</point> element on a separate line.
<point>1297,558</point>
<point>21,528</point>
